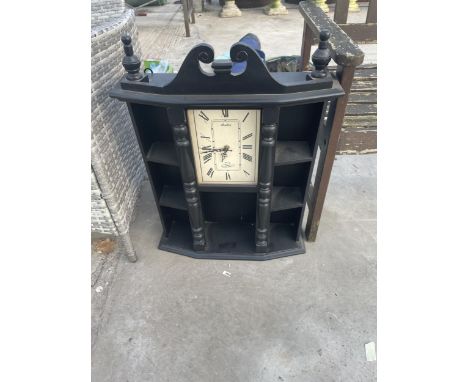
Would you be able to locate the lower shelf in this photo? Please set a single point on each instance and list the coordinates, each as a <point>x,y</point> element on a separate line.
<point>232,241</point>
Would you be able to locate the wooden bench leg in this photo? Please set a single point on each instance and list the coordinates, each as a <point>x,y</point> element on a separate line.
<point>193,11</point>
<point>186,17</point>
<point>307,40</point>
<point>345,76</point>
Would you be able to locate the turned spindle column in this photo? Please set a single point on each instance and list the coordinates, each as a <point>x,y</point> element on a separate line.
<point>268,133</point>
<point>180,132</point>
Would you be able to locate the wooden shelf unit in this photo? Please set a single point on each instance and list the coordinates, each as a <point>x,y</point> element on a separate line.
<point>225,208</point>
<point>228,221</point>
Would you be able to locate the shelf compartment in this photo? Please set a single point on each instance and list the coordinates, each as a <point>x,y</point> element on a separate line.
<point>300,122</point>
<point>162,152</point>
<point>151,124</point>
<point>169,215</point>
<point>285,198</point>
<point>292,175</point>
<point>229,206</point>
<point>173,196</point>
<point>291,152</point>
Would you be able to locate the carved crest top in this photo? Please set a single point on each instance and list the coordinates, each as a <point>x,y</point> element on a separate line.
<point>194,78</point>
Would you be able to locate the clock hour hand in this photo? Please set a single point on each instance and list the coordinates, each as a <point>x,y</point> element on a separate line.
<point>224,149</point>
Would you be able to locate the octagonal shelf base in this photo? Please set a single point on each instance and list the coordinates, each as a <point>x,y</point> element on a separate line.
<point>233,241</point>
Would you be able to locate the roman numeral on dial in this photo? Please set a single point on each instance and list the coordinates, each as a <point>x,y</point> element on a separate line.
<point>246,172</point>
<point>203,115</point>
<point>245,117</point>
<point>246,136</point>
<point>225,113</point>
<point>247,147</point>
<point>247,157</point>
<point>228,176</point>
<point>207,157</point>
<point>210,172</point>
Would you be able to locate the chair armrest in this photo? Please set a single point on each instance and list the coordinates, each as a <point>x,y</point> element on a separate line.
<point>344,51</point>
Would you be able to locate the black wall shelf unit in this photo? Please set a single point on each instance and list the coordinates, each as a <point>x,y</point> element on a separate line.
<point>225,221</point>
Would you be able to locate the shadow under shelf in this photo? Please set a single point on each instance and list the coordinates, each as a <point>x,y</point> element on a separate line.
<point>291,152</point>
<point>163,153</point>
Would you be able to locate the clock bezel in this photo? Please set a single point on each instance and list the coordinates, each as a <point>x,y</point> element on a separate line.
<point>227,185</point>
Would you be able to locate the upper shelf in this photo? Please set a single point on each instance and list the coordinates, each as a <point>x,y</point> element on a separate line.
<point>291,152</point>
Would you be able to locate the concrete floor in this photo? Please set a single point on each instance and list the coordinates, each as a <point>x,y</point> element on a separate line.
<point>301,318</point>
<point>162,32</point>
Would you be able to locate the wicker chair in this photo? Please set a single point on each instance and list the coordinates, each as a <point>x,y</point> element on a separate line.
<point>117,168</point>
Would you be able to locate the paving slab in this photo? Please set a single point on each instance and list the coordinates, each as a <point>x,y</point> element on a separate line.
<point>162,32</point>
<point>300,318</point>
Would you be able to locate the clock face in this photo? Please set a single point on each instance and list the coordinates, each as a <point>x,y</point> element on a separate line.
<point>225,145</point>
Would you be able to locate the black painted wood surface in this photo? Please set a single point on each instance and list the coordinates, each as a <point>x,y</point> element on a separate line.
<point>268,133</point>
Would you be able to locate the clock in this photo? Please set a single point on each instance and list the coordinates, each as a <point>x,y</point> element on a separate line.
<point>230,156</point>
<point>225,145</point>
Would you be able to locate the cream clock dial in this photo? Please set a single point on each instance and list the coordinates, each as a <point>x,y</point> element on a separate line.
<point>225,145</point>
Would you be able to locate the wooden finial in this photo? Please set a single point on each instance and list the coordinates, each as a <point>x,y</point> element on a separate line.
<point>321,56</point>
<point>130,62</point>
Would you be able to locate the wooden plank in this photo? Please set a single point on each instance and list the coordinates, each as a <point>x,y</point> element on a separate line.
<point>344,51</point>
<point>361,109</point>
<point>360,121</point>
<point>372,12</point>
<point>363,97</point>
<point>357,142</point>
<point>341,11</point>
<point>367,73</point>
<point>363,72</point>
<point>360,32</point>
<point>364,86</point>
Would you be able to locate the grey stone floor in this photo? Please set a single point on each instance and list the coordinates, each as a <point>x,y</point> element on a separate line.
<point>162,32</point>
<point>302,318</point>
